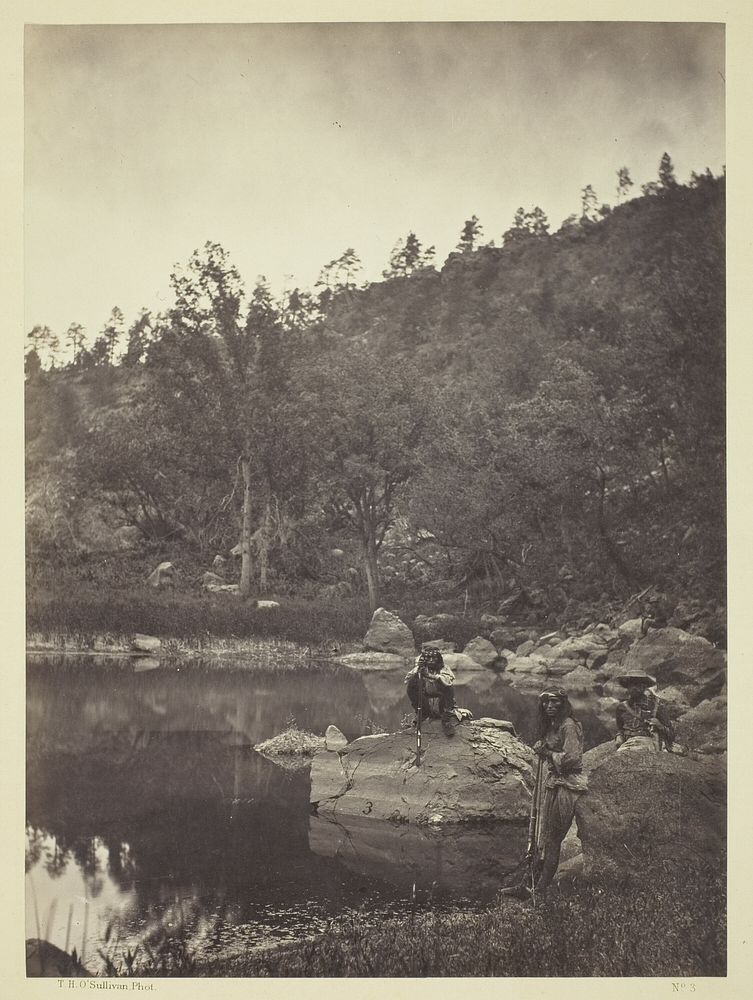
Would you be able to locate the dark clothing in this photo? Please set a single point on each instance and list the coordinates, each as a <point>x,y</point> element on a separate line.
<point>634,719</point>
<point>434,691</point>
<point>564,783</point>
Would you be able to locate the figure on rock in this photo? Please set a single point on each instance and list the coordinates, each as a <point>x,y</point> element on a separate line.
<point>643,721</point>
<point>430,687</point>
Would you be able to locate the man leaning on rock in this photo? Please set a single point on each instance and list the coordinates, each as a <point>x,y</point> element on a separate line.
<point>643,721</point>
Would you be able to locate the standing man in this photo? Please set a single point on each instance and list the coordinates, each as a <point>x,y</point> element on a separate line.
<point>643,722</point>
<point>560,748</point>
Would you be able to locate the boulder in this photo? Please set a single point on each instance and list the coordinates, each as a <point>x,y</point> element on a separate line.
<point>527,665</point>
<point>560,667</point>
<point>703,729</point>
<point>267,604</point>
<point>219,563</point>
<point>441,644</point>
<point>580,648</point>
<point>460,663</point>
<point>630,630</point>
<point>146,643</point>
<point>162,576</point>
<point>221,588</point>
<point>437,626</point>
<point>645,807</point>
<point>210,579</point>
<point>677,658</point>
<point>525,648</point>
<point>482,651</point>
<point>374,661</point>
<point>581,679</point>
<point>502,638</point>
<point>334,739</point>
<point>483,772</point>
<point>388,634</point>
<point>492,622</point>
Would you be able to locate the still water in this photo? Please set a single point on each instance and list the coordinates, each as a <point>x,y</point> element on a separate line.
<point>148,810</point>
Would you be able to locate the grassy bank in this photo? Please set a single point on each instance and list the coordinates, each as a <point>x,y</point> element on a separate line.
<point>665,923</point>
<point>83,615</point>
<point>195,618</point>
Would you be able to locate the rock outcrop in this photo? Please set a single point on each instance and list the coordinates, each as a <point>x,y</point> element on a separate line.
<point>645,807</point>
<point>703,729</point>
<point>482,651</point>
<point>388,634</point>
<point>676,658</point>
<point>483,772</point>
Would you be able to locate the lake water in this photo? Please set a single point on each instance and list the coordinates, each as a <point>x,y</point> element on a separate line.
<point>148,810</point>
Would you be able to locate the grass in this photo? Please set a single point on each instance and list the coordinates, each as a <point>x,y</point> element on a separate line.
<point>85,617</point>
<point>664,924</point>
<point>292,743</point>
<point>668,922</point>
<point>198,619</point>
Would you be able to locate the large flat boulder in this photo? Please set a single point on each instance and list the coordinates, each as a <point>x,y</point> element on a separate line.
<point>373,661</point>
<point>388,634</point>
<point>483,772</point>
<point>645,807</point>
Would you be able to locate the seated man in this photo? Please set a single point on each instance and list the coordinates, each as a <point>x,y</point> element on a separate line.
<point>643,722</point>
<point>430,689</point>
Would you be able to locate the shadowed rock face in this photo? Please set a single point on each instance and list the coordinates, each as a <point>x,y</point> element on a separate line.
<point>483,772</point>
<point>645,807</point>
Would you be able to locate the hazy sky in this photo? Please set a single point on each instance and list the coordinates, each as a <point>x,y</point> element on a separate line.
<point>289,143</point>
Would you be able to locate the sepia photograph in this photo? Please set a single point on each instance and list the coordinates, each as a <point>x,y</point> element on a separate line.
<point>375,525</point>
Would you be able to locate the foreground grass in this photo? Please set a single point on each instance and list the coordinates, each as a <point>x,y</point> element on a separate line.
<point>663,923</point>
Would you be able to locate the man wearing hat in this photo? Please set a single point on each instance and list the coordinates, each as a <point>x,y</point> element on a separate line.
<point>643,722</point>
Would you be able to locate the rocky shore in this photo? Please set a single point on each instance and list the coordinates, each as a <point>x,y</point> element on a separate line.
<point>690,670</point>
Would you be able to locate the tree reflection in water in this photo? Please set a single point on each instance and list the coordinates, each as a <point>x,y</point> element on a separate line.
<point>144,795</point>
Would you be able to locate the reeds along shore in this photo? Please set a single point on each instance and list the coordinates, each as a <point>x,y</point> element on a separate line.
<point>666,922</point>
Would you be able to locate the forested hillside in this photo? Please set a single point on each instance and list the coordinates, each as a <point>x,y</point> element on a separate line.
<point>545,418</point>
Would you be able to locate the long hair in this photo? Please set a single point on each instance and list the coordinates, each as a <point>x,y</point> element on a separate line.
<point>565,712</point>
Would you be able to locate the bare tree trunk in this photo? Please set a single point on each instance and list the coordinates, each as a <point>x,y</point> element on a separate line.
<point>244,590</point>
<point>612,550</point>
<point>371,564</point>
<point>264,547</point>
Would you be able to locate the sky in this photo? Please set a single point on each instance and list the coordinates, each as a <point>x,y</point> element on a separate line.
<point>288,143</point>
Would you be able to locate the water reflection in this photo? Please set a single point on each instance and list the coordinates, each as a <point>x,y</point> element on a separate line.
<point>454,861</point>
<point>148,808</point>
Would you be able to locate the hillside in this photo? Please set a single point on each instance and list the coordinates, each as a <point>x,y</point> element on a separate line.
<point>548,415</point>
